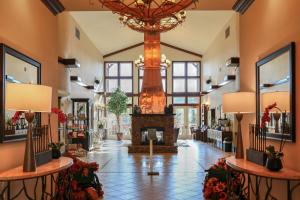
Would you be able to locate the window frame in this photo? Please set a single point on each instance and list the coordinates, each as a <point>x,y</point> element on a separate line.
<point>186,77</point>
<point>119,78</point>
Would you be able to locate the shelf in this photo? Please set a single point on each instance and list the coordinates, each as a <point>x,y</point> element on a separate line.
<point>227,80</point>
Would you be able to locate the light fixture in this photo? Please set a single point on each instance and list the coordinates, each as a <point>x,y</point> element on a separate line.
<point>151,18</point>
<point>29,98</point>
<point>239,103</point>
<point>164,62</point>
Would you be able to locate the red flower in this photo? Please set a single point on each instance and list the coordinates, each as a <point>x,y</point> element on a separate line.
<point>266,117</point>
<point>62,118</point>
<point>222,196</point>
<point>220,187</point>
<point>16,116</point>
<point>207,192</point>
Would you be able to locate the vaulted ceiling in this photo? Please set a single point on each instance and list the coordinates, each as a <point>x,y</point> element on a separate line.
<point>195,34</point>
<point>89,5</point>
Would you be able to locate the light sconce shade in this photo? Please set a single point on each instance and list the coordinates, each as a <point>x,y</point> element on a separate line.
<point>28,97</point>
<point>282,100</point>
<point>239,102</point>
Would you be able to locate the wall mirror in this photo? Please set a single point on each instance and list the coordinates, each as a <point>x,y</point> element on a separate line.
<point>16,68</point>
<point>275,83</point>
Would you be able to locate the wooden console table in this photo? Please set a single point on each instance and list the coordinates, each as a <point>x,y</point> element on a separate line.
<point>41,173</point>
<point>259,172</point>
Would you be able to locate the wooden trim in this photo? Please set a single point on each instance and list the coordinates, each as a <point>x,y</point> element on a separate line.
<point>124,49</point>
<point>54,6</point>
<point>241,6</point>
<point>162,43</point>
<point>180,49</point>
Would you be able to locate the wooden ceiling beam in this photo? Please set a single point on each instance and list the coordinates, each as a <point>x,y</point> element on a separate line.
<point>162,43</point>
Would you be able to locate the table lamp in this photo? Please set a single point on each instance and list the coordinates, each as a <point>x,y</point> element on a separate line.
<point>239,103</point>
<point>282,100</point>
<point>29,98</point>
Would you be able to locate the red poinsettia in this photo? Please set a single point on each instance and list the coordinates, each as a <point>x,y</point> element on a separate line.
<point>62,118</point>
<point>266,116</point>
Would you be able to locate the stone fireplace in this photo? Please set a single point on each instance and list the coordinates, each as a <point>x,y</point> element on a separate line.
<point>164,125</point>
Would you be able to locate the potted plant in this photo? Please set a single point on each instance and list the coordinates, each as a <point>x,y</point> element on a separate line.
<point>274,158</point>
<point>55,147</point>
<point>118,105</point>
<point>273,162</point>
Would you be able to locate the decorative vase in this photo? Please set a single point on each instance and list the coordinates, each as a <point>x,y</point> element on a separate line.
<point>274,164</point>
<point>56,153</point>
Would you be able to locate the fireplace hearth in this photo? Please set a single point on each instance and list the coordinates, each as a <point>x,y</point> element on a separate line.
<point>164,125</point>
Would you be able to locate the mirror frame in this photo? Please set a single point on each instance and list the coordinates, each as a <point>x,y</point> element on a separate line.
<point>3,50</point>
<point>290,48</point>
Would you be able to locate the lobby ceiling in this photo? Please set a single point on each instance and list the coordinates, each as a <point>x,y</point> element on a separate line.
<point>94,5</point>
<point>195,34</point>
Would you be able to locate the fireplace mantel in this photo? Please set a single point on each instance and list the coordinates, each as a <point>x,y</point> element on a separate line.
<point>142,121</point>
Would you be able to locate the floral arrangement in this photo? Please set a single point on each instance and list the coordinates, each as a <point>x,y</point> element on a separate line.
<point>270,150</point>
<point>80,181</point>
<point>266,116</point>
<point>215,183</point>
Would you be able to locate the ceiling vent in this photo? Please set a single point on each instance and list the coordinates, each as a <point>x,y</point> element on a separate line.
<point>227,32</point>
<point>77,33</point>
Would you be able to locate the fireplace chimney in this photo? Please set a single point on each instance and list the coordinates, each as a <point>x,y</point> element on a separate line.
<point>152,97</point>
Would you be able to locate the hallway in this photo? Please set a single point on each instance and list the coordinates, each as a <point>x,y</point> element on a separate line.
<point>124,176</point>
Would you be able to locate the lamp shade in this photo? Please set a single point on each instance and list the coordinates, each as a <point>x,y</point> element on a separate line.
<point>25,97</point>
<point>282,100</point>
<point>239,102</point>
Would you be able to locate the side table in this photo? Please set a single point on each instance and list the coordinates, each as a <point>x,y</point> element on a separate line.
<point>41,173</point>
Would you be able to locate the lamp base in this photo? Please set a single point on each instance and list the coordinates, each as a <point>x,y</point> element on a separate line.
<point>29,164</point>
<point>239,141</point>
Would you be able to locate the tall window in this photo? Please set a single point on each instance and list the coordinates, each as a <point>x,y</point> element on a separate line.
<point>186,83</point>
<point>163,76</point>
<point>118,74</point>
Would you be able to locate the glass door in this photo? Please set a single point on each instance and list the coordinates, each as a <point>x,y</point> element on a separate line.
<point>185,118</point>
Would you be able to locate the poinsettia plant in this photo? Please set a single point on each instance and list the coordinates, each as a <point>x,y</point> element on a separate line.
<point>16,116</point>
<point>81,179</point>
<point>215,183</point>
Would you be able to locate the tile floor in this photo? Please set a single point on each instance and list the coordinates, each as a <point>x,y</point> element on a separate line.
<point>124,176</point>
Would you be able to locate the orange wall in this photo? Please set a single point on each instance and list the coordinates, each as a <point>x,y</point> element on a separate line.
<point>265,27</point>
<point>30,28</point>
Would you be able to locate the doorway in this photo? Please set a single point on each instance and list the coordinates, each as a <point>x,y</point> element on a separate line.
<point>186,117</point>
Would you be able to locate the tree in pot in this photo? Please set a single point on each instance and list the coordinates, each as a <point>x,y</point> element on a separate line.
<point>118,105</point>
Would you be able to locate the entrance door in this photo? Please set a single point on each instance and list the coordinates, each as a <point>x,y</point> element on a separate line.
<point>186,117</point>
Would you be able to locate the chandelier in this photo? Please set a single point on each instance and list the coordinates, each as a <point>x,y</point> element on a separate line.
<point>163,25</point>
<point>164,62</point>
<point>149,15</point>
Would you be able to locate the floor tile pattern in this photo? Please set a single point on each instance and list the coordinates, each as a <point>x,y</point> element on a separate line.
<point>124,176</point>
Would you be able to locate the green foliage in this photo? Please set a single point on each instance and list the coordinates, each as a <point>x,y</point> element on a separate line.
<point>56,145</point>
<point>272,153</point>
<point>219,173</point>
<point>118,102</point>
